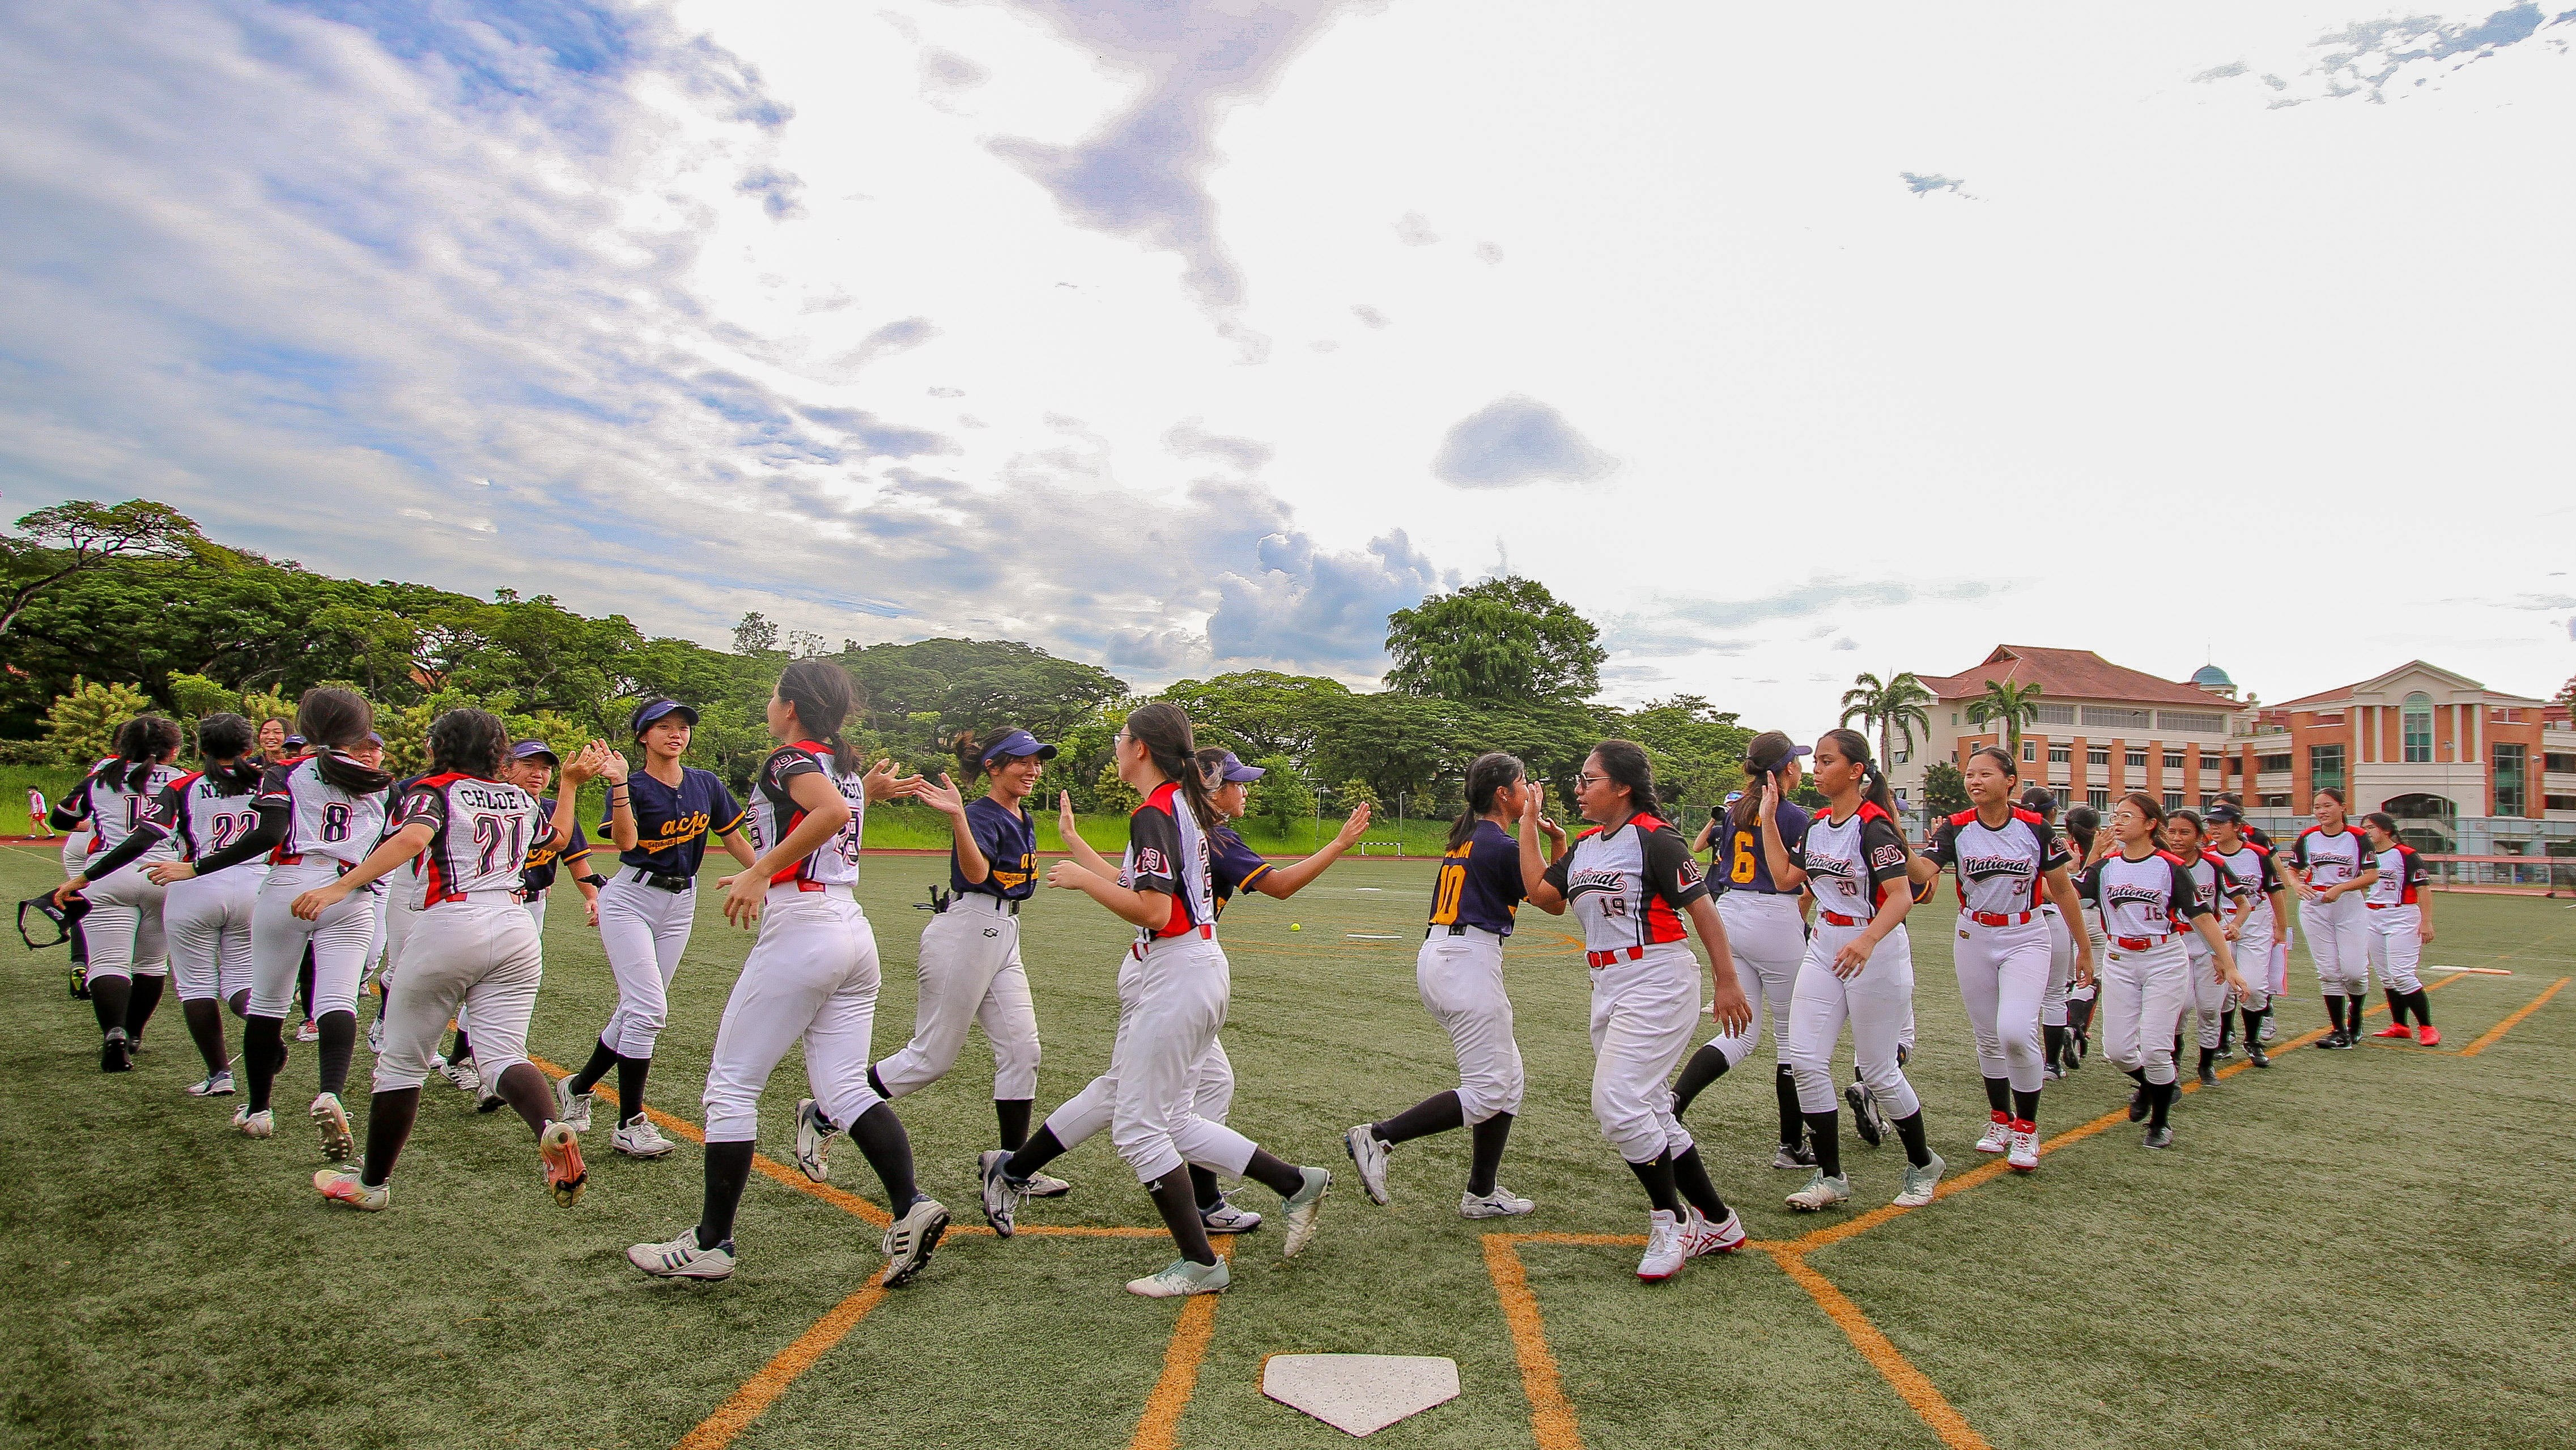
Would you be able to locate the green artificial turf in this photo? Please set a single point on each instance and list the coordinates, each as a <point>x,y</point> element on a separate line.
<point>2352,1250</point>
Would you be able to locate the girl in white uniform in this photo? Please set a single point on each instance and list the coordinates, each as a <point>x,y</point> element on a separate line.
<point>2087,841</point>
<point>1173,984</point>
<point>2005,859</point>
<point>319,815</point>
<point>1764,932</point>
<point>2042,802</point>
<point>2253,932</point>
<point>2323,857</point>
<point>811,978</point>
<point>2147,899</point>
<point>2400,916</point>
<point>1859,967</point>
<point>1636,889</point>
<point>473,945</point>
<point>2218,891</point>
<point>129,956</point>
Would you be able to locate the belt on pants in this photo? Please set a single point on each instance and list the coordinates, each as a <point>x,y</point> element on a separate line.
<point>997,905</point>
<point>1999,918</point>
<point>1137,948</point>
<point>660,882</point>
<point>480,898</point>
<point>2382,905</point>
<point>1836,918</point>
<point>1603,959</point>
<point>812,888</point>
<point>2140,943</point>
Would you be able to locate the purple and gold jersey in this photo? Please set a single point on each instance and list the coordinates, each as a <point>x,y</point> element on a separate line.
<point>1742,864</point>
<point>1009,841</point>
<point>672,823</point>
<point>1480,882</point>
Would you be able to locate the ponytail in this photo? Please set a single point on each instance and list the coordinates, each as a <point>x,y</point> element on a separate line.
<point>823,696</point>
<point>223,743</point>
<point>2082,822</point>
<point>1487,775</point>
<point>142,742</point>
<point>1766,757</point>
<point>1164,730</point>
<point>1854,747</point>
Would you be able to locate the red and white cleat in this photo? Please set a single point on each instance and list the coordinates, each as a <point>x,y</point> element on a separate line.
<point>2430,1036</point>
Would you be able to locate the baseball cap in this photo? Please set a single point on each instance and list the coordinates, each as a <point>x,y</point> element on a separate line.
<point>1018,742</point>
<point>530,749</point>
<point>652,710</point>
<point>1785,756</point>
<point>2222,811</point>
<point>374,739</point>
<point>1235,772</point>
<point>294,742</point>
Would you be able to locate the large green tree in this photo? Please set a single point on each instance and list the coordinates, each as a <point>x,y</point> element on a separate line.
<point>75,538</point>
<point>1257,712</point>
<point>1501,641</point>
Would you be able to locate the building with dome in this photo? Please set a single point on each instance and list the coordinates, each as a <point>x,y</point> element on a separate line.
<point>2215,681</point>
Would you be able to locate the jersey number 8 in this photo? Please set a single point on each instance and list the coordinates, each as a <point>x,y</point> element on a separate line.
<point>335,822</point>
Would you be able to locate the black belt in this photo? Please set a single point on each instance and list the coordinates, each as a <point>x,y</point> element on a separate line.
<point>655,879</point>
<point>940,901</point>
<point>1452,930</point>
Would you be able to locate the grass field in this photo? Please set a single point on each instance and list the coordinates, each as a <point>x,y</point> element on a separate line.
<point>2360,1249</point>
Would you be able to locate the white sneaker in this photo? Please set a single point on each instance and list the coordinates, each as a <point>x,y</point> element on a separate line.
<point>1919,1182</point>
<point>681,1258</point>
<point>333,1122</point>
<point>1303,1208</point>
<point>1047,1185</point>
<point>1368,1155</point>
<point>572,1109</point>
<point>1699,1236</point>
<point>216,1085</point>
<point>1001,1195</point>
<point>1501,1203</point>
<point>1664,1251</point>
<point>2268,1029</point>
<point>254,1125</point>
<point>376,1037</point>
<point>814,1134</point>
<point>342,1185</point>
<point>638,1138</point>
<point>1183,1278</point>
<point>308,1032</point>
<point>1998,1136</point>
<point>909,1240</point>
<point>1821,1192</point>
<point>2024,1157</point>
<point>462,1073</point>
<point>1225,1218</point>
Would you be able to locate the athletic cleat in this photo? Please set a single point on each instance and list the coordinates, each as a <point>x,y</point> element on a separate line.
<point>342,1185</point>
<point>1183,1278</point>
<point>559,1149</point>
<point>2337,1042</point>
<point>1001,1196</point>
<point>1998,1135</point>
<point>1785,1156</point>
<point>909,1240</point>
<point>2255,1054</point>
<point>1865,1117</point>
<point>1303,1208</point>
<point>214,1085</point>
<point>2428,1035</point>
<point>2396,1029</point>
<point>2208,1075</point>
<point>1919,1182</point>
<point>2267,1027</point>
<point>1047,1185</point>
<point>2023,1156</point>
<point>2159,1137</point>
<point>490,1102</point>
<point>2053,1073</point>
<point>116,1053</point>
<point>681,1258</point>
<point>332,1121</point>
<point>572,1109</point>
<point>814,1134</point>
<point>1225,1218</point>
<point>308,1032</point>
<point>260,1124</point>
<point>638,1138</point>
<point>1664,1250</point>
<point>376,1037</point>
<point>1699,1236</point>
<point>1368,1155</point>
<point>2137,1105</point>
<point>1821,1192</point>
<point>1501,1203</point>
<point>462,1073</point>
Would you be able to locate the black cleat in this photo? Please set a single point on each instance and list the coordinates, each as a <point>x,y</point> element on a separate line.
<point>2138,1105</point>
<point>2336,1041</point>
<point>2255,1054</point>
<point>1865,1118</point>
<point>115,1054</point>
<point>2208,1075</point>
<point>2159,1137</point>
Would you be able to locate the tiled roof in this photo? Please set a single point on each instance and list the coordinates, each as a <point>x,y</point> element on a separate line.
<point>2071,674</point>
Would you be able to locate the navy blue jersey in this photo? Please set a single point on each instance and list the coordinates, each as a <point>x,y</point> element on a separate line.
<point>672,825</point>
<point>1232,865</point>
<point>1009,841</point>
<point>1480,882</point>
<point>1741,864</point>
<point>544,859</point>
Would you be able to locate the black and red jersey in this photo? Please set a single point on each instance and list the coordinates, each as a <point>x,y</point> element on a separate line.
<point>2001,868</point>
<point>774,815</point>
<point>480,834</point>
<point>1850,862</point>
<point>2329,858</point>
<point>2250,867</point>
<point>2401,874</point>
<point>2149,898</point>
<point>1629,885</point>
<point>1167,854</point>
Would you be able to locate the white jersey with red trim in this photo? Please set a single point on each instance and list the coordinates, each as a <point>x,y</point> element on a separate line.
<point>1629,886</point>
<point>200,816</point>
<point>2155,897</point>
<point>114,811</point>
<point>480,832</point>
<point>1851,863</point>
<point>2401,873</point>
<point>2002,869</point>
<point>2329,858</point>
<point>1168,853</point>
<point>321,818</point>
<point>2250,868</point>
<point>774,815</point>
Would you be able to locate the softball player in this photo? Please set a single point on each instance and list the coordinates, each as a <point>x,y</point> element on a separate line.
<point>319,814</point>
<point>2084,832</point>
<point>660,818</point>
<point>2042,802</point>
<point>2325,856</point>
<point>1631,880</point>
<point>2400,917</point>
<point>2147,898</point>
<point>207,921</point>
<point>38,828</point>
<point>811,978</point>
<point>2275,973</point>
<point>531,768</point>
<point>129,957</point>
<point>474,945</point>
<point>272,743</point>
<point>2219,892</point>
<point>2254,930</point>
<point>2005,858</point>
<point>1459,973</point>
<point>77,839</point>
<point>1764,931</point>
<point>1172,989</point>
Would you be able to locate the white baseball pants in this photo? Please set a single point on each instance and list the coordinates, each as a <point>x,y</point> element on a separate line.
<point>2339,943</point>
<point>477,955</point>
<point>278,936</point>
<point>1461,981</point>
<point>2210,998</point>
<point>124,925</point>
<point>76,852</point>
<point>1878,1002</point>
<point>1767,938</point>
<point>969,972</point>
<point>1087,1113</point>
<point>811,978</point>
<point>2144,994</point>
<point>207,919</point>
<point>644,929</point>
<point>2396,946</point>
<point>2254,951</point>
<point>2061,969</point>
<point>1644,1014</point>
<point>2003,973</point>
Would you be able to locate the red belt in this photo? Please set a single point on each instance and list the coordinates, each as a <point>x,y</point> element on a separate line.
<point>1603,959</point>
<point>1996,918</point>
<point>294,860</point>
<point>2380,905</point>
<point>1207,933</point>
<point>1836,918</point>
<point>2140,943</point>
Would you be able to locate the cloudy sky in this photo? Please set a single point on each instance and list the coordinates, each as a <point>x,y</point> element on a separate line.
<point>1184,337</point>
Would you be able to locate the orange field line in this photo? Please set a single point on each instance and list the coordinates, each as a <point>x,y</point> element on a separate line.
<point>1159,1428</point>
<point>1551,1414</point>
<point>747,1403</point>
<point>2508,1024</point>
<point>1910,1383</point>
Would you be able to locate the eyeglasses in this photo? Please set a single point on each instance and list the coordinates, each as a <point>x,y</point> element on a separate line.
<point>1585,780</point>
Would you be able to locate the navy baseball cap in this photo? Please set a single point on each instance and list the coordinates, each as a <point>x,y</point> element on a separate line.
<point>1792,753</point>
<point>2222,811</point>
<point>294,742</point>
<point>531,749</point>
<point>1018,742</point>
<point>374,739</point>
<point>652,710</point>
<point>1235,772</point>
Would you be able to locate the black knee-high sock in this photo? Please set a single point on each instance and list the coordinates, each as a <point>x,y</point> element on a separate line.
<point>1657,1176</point>
<point>138,1007</point>
<point>1204,1188</point>
<point>239,1002</point>
<point>602,1058</point>
<point>2137,1075</point>
<point>631,1074</point>
<point>107,998</point>
<point>1825,1136</point>
<point>1437,1113</point>
<point>1705,1066</point>
<point>1040,1150</point>
<point>2396,1008</point>
<point>528,1092</point>
<point>2352,1012</point>
<point>880,1136</point>
<point>1793,1123</point>
<point>304,984</point>
<point>2253,1027</point>
<point>80,944</point>
<point>205,1019</point>
<point>1012,1116</point>
<point>2052,1043</point>
<point>389,1118</point>
<point>2079,1016</point>
<point>1909,1131</point>
<point>728,1169</point>
<point>263,1052</point>
<point>462,1049</point>
<point>1274,1173</point>
<point>2423,1005</point>
<point>338,1042</point>
<point>2025,1106</point>
<point>1999,1095</point>
<point>1175,1200</point>
<point>1690,1179</point>
<point>1489,1137</point>
<point>2208,1058</point>
<point>2160,1100</point>
<point>2334,1009</point>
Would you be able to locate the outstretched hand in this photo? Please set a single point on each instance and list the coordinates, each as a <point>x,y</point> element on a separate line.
<point>944,797</point>
<point>1351,828</point>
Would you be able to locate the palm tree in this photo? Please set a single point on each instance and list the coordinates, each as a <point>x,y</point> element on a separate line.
<point>1895,709</point>
<point>2009,705</point>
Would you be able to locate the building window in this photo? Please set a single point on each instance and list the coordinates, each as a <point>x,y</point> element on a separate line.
<point>2029,751</point>
<point>2558,803</point>
<point>1903,756</point>
<point>2270,763</point>
<point>2509,761</point>
<point>2173,800</point>
<point>2325,767</point>
<point>1954,717</point>
<point>2190,720</point>
<point>2173,760</point>
<point>2121,719</point>
<point>2557,764</point>
<point>2052,715</point>
<point>2417,718</point>
<point>2064,796</point>
<point>2276,803</point>
<point>2138,759</point>
<point>2097,755</point>
<point>2098,798</point>
<point>2060,755</point>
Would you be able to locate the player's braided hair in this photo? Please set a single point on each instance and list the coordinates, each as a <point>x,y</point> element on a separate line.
<point>331,720</point>
<point>823,696</point>
<point>1164,730</point>
<point>145,740</point>
<point>1625,761</point>
<point>472,742</point>
<point>1768,755</point>
<point>223,743</point>
<point>1486,776</point>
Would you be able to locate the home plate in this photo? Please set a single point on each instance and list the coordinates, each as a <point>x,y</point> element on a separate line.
<point>1359,1394</point>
